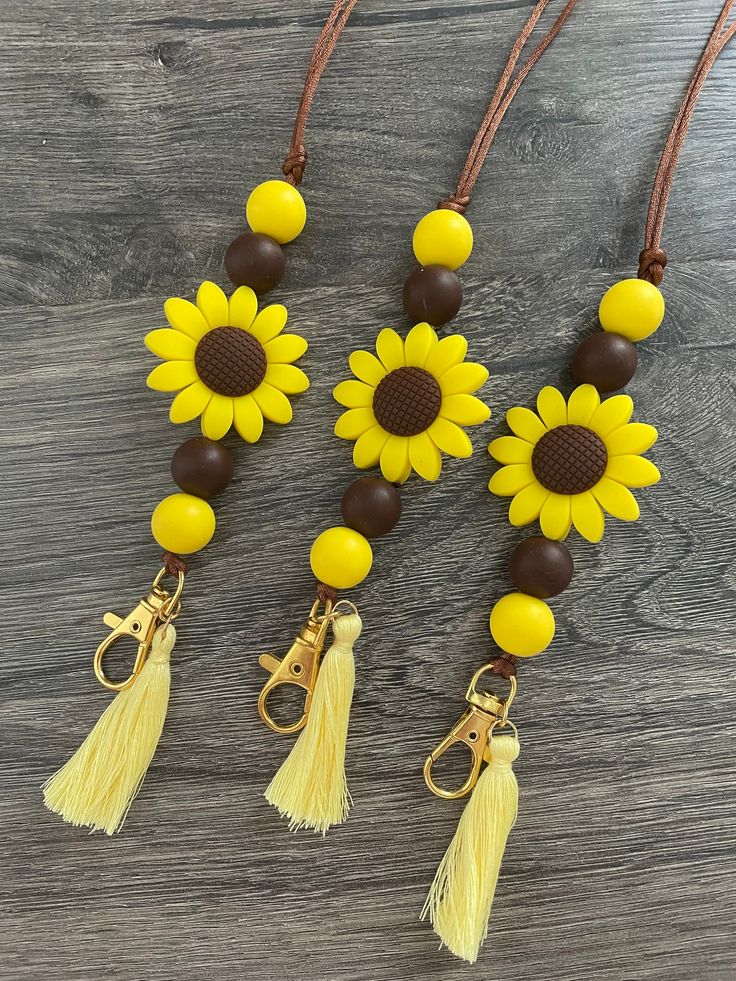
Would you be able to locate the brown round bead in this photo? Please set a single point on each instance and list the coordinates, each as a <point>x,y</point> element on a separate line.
<point>605,360</point>
<point>230,361</point>
<point>372,506</point>
<point>541,567</point>
<point>255,260</point>
<point>569,459</point>
<point>407,401</point>
<point>432,294</point>
<point>202,467</point>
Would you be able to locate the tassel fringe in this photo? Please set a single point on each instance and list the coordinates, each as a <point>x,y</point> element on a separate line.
<point>310,787</point>
<point>460,899</point>
<point>98,784</point>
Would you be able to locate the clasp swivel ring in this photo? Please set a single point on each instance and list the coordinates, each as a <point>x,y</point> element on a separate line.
<point>486,712</point>
<point>298,667</point>
<point>140,624</point>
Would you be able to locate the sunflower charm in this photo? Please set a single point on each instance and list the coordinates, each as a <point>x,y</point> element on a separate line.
<point>571,462</point>
<point>410,402</point>
<point>229,363</point>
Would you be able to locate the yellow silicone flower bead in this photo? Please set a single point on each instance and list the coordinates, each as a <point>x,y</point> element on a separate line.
<point>522,625</point>
<point>277,209</point>
<point>341,557</point>
<point>633,308</point>
<point>183,523</point>
<point>443,238</point>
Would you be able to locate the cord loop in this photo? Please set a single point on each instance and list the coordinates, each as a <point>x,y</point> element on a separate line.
<point>296,158</point>
<point>501,99</point>
<point>651,266</point>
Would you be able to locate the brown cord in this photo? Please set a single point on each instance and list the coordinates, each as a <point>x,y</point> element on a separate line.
<point>296,158</point>
<point>326,593</point>
<point>174,564</point>
<point>505,666</point>
<point>652,258</point>
<point>500,102</point>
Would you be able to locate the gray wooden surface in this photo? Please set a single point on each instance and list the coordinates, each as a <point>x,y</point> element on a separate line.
<point>129,134</point>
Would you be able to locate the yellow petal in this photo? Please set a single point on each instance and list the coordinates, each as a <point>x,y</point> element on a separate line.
<point>213,304</point>
<point>243,306</point>
<point>552,407</point>
<point>451,350</point>
<point>189,403</point>
<point>287,378</point>
<point>636,437</point>
<point>285,349</point>
<point>395,459</point>
<point>390,349</point>
<point>353,394</point>
<point>217,417</point>
<point>171,376</point>
<point>354,423</point>
<point>632,471</point>
<point>510,449</point>
<point>587,516</point>
<point>269,323</point>
<point>465,410</point>
<point>554,518</point>
<point>419,342</point>
<point>614,412</point>
<point>450,438</point>
<point>424,456</point>
<point>273,404</point>
<point>367,367</point>
<point>248,418</point>
<point>510,480</point>
<point>406,472</point>
<point>582,404</point>
<point>184,316</point>
<point>526,424</point>
<point>463,379</point>
<point>171,345</point>
<point>367,450</point>
<point>616,499</point>
<point>527,504</point>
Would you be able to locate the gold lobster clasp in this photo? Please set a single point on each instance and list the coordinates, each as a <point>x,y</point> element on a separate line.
<point>140,624</point>
<point>487,710</point>
<point>298,667</point>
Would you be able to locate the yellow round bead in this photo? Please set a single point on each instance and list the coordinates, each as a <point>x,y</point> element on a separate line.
<point>183,523</point>
<point>633,308</point>
<point>443,238</point>
<point>341,557</point>
<point>277,209</point>
<point>522,625</point>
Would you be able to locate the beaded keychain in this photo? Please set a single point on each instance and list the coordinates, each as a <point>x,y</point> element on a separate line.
<point>232,366</point>
<point>565,465</point>
<point>406,406</point>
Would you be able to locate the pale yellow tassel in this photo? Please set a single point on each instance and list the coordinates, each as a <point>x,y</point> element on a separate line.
<point>459,902</point>
<point>99,783</point>
<point>310,787</point>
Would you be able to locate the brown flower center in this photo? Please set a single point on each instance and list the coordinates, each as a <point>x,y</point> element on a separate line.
<point>407,401</point>
<point>569,459</point>
<point>230,361</point>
